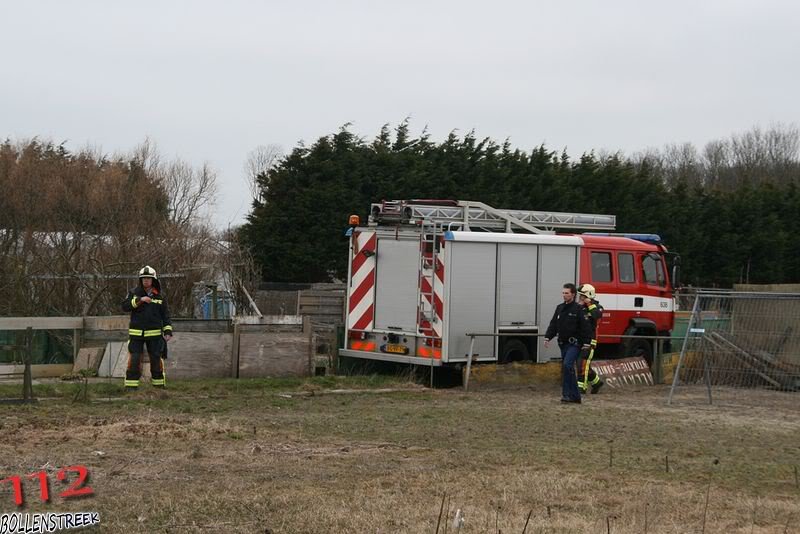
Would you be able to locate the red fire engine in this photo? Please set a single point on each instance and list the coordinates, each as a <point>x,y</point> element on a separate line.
<point>424,274</point>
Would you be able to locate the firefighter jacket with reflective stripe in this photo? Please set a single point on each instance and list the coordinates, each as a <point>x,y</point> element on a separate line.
<point>147,319</point>
<point>594,312</point>
<point>570,324</point>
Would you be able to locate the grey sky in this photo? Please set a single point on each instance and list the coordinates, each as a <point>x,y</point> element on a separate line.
<point>209,81</point>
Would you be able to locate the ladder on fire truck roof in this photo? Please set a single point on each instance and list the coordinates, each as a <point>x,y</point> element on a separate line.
<point>468,215</point>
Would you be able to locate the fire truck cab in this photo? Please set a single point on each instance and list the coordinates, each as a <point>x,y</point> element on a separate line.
<point>424,275</point>
<point>629,272</point>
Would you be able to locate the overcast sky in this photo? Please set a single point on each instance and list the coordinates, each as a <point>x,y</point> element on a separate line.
<point>210,81</point>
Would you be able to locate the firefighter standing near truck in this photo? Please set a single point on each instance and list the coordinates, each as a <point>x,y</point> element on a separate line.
<point>150,327</point>
<point>569,323</point>
<point>594,312</point>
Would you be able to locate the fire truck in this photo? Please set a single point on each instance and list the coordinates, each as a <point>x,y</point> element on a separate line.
<point>424,274</point>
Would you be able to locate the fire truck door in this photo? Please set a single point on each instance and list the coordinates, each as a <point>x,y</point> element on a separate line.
<point>396,279</point>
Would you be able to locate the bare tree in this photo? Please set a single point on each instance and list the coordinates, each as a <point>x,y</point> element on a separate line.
<point>190,192</point>
<point>651,159</point>
<point>749,158</point>
<point>259,161</point>
<point>766,155</point>
<point>75,227</point>
<point>682,163</point>
<point>240,271</point>
<point>146,154</point>
<point>673,164</point>
<point>717,162</point>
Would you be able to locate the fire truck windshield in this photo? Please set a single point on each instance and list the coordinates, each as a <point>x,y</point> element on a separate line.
<point>654,270</point>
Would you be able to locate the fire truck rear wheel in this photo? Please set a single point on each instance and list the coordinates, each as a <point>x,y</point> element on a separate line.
<point>640,347</point>
<point>514,350</point>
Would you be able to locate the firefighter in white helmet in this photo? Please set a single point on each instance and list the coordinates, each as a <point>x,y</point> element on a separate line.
<point>594,312</point>
<point>150,327</point>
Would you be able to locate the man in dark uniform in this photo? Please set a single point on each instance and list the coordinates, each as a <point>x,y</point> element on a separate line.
<point>150,327</point>
<point>570,325</point>
<point>594,312</point>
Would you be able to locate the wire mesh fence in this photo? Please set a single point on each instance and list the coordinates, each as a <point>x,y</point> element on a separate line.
<point>738,343</point>
<point>24,349</point>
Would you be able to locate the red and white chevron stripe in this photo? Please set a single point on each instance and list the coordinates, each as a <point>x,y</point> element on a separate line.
<point>361,306</point>
<point>432,329</point>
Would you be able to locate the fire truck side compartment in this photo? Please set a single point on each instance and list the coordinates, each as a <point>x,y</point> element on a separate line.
<point>501,282</point>
<point>516,284</point>
<point>470,303</point>
<point>396,279</point>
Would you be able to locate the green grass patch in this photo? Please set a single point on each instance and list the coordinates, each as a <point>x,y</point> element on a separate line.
<point>221,387</point>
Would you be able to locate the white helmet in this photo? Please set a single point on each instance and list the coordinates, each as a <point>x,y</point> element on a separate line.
<point>587,290</point>
<point>148,272</point>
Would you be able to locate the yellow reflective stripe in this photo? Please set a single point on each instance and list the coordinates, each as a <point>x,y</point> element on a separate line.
<point>594,343</point>
<point>592,306</point>
<point>163,380</point>
<point>133,302</point>
<point>586,366</point>
<point>131,383</point>
<point>145,333</point>
<point>168,328</point>
<point>156,301</point>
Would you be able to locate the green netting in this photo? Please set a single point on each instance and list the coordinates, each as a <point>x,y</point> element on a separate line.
<point>49,346</point>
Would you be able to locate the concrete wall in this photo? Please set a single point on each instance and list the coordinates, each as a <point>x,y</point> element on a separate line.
<point>279,346</point>
<point>274,354</point>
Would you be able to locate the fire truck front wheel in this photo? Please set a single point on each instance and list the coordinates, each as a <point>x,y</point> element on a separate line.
<point>640,347</point>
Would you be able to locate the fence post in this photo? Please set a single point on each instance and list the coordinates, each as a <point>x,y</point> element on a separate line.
<point>707,377</point>
<point>27,380</point>
<point>213,289</point>
<point>469,362</point>
<point>339,345</point>
<point>235,350</point>
<point>308,333</point>
<point>658,363</point>
<point>77,339</point>
<point>675,378</point>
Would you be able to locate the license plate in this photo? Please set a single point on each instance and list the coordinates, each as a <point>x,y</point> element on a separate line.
<point>395,349</point>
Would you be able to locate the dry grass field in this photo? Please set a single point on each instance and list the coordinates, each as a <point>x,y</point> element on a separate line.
<point>290,456</point>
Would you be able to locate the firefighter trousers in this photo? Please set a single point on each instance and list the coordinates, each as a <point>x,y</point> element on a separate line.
<point>155,347</point>
<point>586,375</point>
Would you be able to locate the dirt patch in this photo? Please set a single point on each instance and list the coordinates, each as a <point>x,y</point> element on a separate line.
<point>269,460</point>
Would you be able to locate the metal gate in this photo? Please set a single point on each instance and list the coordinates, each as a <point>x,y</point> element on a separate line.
<point>738,343</point>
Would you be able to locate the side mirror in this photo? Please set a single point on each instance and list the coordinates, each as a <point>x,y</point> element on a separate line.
<point>676,274</point>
